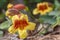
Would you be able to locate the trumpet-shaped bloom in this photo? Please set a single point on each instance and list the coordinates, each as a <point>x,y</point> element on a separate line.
<point>21,24</point>
<point>12,12</point>
<point>43,8</point>
<point>19,6</point>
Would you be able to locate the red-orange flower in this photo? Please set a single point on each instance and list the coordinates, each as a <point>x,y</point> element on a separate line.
<point>43,8</point>
<point>21,24</point>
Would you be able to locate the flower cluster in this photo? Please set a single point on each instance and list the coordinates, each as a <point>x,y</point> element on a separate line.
<point>20,22</point>
<point>14,9</point>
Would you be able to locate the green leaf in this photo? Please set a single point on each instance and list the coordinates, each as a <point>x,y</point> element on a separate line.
<point>58,20</point>
<point>48,19</point>
<point>54,13</point>
<point>57,4</point>
<point>5,25</point>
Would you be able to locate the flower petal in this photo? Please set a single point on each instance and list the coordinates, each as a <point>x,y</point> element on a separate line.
<point>31,26</point>
<point>26,17</point>
<point>22,33</point>
<point>35,11</point>
<point>7,13</point>
<point>39,5</point>
<point>19,6</point>
<point>49,9</point>
<point>12,29</point>
<point>15,18</point>
<point>43,12</point>
<point>9,5</point>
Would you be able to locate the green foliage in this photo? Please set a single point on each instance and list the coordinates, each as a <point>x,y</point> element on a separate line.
<point>57,5</point>
<point>48,19</point>
<point>58,20</point>
<point>5,25</point>
<point>2,16</point>
<point>3,4</point>
<point>54,13</point>
<point>1,33</point>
